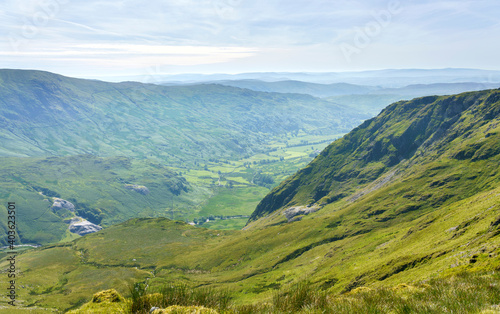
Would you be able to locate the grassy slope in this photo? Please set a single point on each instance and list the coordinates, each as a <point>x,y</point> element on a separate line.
<point>449,131</point>
<point>252,263</point>
<point>431,214</point>
<point>47,114</point>
<point>97,188</point>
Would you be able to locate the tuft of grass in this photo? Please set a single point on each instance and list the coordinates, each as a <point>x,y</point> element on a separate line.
<point>180,295</point>
<point>461,293</point>
<point>105,302</point>
<point>138,297</point>
<point>301,296</point>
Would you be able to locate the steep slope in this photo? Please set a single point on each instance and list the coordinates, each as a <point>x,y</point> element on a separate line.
<point>44,114</point>
<point>450,129</point>
<point>337,252</point>
<point>416,195</point>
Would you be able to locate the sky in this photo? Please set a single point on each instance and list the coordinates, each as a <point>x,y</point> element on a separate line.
<point>121,38</point>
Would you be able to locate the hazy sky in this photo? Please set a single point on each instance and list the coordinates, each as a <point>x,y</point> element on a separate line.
<point>97,38</point>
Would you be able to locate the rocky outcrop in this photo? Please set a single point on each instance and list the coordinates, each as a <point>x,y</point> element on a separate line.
<point>138,188</point>
<point>82,227</point>
<point>59,204</point>
<point>296,213</point>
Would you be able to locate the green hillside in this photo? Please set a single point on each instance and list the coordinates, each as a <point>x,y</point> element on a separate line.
<point>449,141</point>
<point>98,187</point>
<point>409,197</point>
<point>202,150</point>
<point>44,114</point>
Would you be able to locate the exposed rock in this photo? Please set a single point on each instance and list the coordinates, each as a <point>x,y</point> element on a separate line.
<point>59,203</point>
<point>292,212</point>
<point>296,218</point>
<point>138,188</point>
<point>83,227</point>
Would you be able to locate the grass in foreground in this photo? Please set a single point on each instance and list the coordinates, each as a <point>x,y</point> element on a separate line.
<point>178,294</point>
<point>461,293</point>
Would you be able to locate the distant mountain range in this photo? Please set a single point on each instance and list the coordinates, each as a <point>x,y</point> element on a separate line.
<point>391,78</point>
<point>342,89</point>
<point>367,92</point>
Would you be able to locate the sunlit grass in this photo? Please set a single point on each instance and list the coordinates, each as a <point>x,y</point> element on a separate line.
<point>462,293</point>
<point>177,294</point>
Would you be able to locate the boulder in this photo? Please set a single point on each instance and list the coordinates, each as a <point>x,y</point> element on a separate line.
<point>291,213</point>
<point>83,227</point>
<point>138,188</point>
<point>59,203</point>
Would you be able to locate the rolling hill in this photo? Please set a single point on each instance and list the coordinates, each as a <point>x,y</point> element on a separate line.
<point>409,195</point>
<point>313,89</point>
<point>365,99</point>
<point>44,114</point>
<point>346,89</point>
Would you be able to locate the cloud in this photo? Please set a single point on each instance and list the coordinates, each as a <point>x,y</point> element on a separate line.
<point>130,56</point>
<point>83,35</point>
